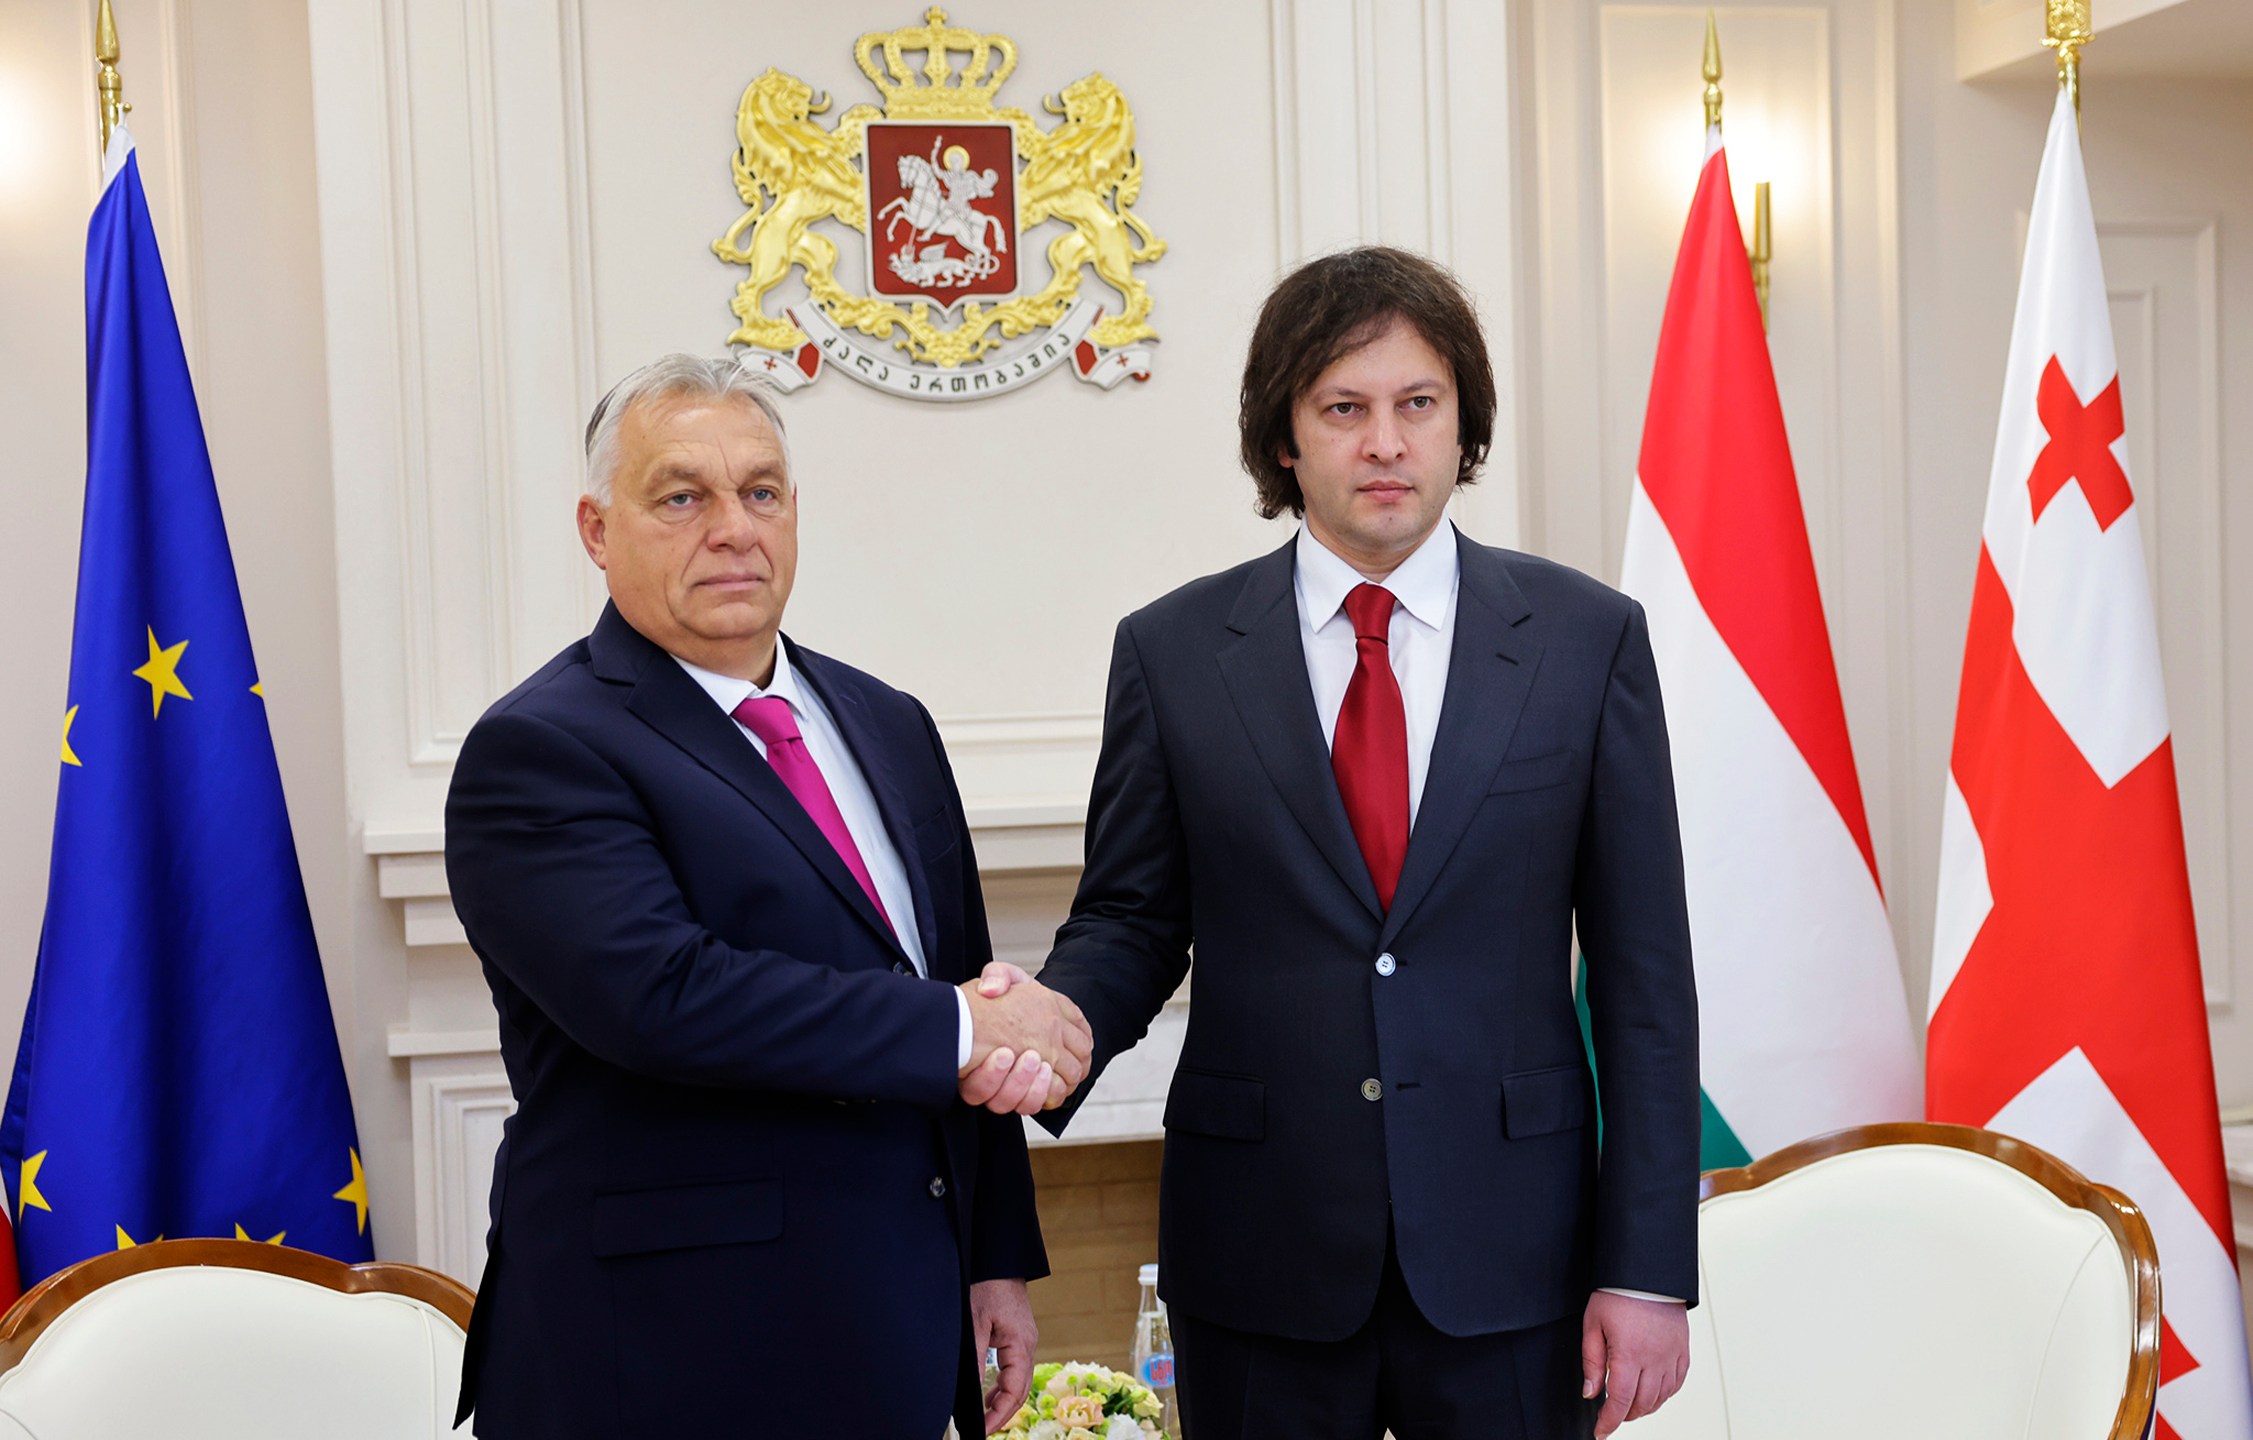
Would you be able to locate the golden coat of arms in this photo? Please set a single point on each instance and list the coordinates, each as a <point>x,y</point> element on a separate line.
<point>941,186</point>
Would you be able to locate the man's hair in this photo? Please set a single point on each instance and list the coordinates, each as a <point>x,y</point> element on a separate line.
<point>1329,308</point>
<point>670,377</point>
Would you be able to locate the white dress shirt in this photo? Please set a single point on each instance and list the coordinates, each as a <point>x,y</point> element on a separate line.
<point>1421,638</point>
<point>849,788</point>
<point>1422,635</point>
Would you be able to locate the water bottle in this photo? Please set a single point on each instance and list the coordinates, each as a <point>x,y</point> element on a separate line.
<point>1152,1356</point>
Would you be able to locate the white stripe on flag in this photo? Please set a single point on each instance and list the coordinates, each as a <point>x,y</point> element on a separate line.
<point>1803,1023</point>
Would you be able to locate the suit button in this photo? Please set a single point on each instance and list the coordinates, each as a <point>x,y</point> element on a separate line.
<point>1386,964</point>
<point>1371,1090</point>
<point>901,967</point>
<point>938,1188</point>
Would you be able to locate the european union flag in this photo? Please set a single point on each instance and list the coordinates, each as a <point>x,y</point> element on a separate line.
<point>178,1073</point>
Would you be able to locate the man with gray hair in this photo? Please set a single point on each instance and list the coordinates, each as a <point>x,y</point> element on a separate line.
<point>723,892</point>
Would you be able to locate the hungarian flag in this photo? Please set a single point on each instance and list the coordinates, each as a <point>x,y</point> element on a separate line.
<point>2066,1002</point>
<point>1803,1023</point>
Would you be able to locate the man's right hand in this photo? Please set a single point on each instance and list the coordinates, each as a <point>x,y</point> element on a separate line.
<point>1029,1047</point>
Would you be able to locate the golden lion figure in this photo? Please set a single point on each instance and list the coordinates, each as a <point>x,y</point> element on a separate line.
<point>808,172</point>
<point>1078,174</point>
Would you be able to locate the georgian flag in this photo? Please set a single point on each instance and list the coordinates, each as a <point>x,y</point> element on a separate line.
<point>2067,1007</point>
<point>1804,1026</point>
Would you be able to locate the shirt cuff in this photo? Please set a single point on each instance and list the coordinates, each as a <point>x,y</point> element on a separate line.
<point>961,1030</point>
<point>1611,1289</point>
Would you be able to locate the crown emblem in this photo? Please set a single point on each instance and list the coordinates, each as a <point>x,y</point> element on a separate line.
<point>944,201</point>
<point>940,90</point>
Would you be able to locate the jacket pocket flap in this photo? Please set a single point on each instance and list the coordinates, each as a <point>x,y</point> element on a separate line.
<point>683,1217</point>
<point>1541,1102</point>
<point>1538,773</point>
<point>1232,1107</point>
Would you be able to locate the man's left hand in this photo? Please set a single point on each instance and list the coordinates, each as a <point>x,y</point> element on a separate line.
<point>1635,1352</point>
<point>1001,1318</point>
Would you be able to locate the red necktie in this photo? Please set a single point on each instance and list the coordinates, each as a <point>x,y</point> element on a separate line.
<point>1369,749</point>
<point>769,718</point>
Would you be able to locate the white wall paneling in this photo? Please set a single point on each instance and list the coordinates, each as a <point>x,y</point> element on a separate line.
<point>1395,124</point>
<point>460,1103</point>
<point>491,293</point>
<point>2166,316</point>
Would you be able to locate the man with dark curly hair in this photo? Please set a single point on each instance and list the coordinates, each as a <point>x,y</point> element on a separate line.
<point>1375,780</point>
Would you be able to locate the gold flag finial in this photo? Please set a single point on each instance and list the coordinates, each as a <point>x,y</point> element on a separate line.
<point>1712,72</point>
<point>2068,30</point>
<point>109,85</point>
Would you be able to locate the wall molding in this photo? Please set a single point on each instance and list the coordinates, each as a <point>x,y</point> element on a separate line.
<point>2151,261</point>
<point>460,1103</point>
<point>1363,81</point>
<point>1361,84</point>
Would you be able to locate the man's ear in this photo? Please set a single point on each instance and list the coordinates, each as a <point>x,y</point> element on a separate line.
<point>593,531</point>
<point>1287,454</point>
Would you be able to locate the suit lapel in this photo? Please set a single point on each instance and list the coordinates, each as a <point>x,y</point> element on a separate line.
<point>1490,671</point>
<point>1266,675</point>
<point>854,721</point>
<point>676,707</point>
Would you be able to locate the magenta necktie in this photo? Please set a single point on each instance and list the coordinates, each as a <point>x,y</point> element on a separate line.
<point>769,718</point>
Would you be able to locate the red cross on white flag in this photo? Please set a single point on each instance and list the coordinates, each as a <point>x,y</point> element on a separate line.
<point>2067,1007</point>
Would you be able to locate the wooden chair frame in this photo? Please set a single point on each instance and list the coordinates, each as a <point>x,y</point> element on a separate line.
<point>45,1302</point>
<point>2130,1231</point>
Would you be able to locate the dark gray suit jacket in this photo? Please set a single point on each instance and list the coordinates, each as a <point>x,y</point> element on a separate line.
<point>1325,1092</point>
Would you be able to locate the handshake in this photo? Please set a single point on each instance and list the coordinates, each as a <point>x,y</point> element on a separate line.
<point>1029,1045</point>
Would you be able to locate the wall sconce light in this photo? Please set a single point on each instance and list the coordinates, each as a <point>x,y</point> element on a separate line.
<point>1763,248</point>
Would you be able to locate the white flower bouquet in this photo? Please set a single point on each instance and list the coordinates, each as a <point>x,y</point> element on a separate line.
<point>1084,1402</point>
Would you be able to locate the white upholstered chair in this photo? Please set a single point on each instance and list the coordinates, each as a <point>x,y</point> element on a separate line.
<point>1918,1280</point>
<point>191,1339</point>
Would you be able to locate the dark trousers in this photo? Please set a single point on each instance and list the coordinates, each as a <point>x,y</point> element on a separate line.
<point>1397,1372</point>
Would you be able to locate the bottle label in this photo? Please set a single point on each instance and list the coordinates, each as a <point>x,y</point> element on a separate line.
<point>1157,1371</point>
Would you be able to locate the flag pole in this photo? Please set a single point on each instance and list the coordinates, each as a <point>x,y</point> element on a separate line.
<point>109,85</point>
<point>2068,30</point>
<point>1712,72</point>
<point>1761,251</point>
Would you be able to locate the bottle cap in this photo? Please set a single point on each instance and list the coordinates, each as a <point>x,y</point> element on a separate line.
<point>1149,1275</point>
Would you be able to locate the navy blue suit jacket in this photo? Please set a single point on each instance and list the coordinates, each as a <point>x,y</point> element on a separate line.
<point>738,1165</point>
<point>1325,1092</point>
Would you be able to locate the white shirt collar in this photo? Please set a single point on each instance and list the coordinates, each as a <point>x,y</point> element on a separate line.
<point>1424,583</point>
<point>727,691</point>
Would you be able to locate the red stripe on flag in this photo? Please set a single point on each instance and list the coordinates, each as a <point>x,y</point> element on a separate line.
<point>2175,1359</point>
<point>2091,940</point>
<point>1717,466</point>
